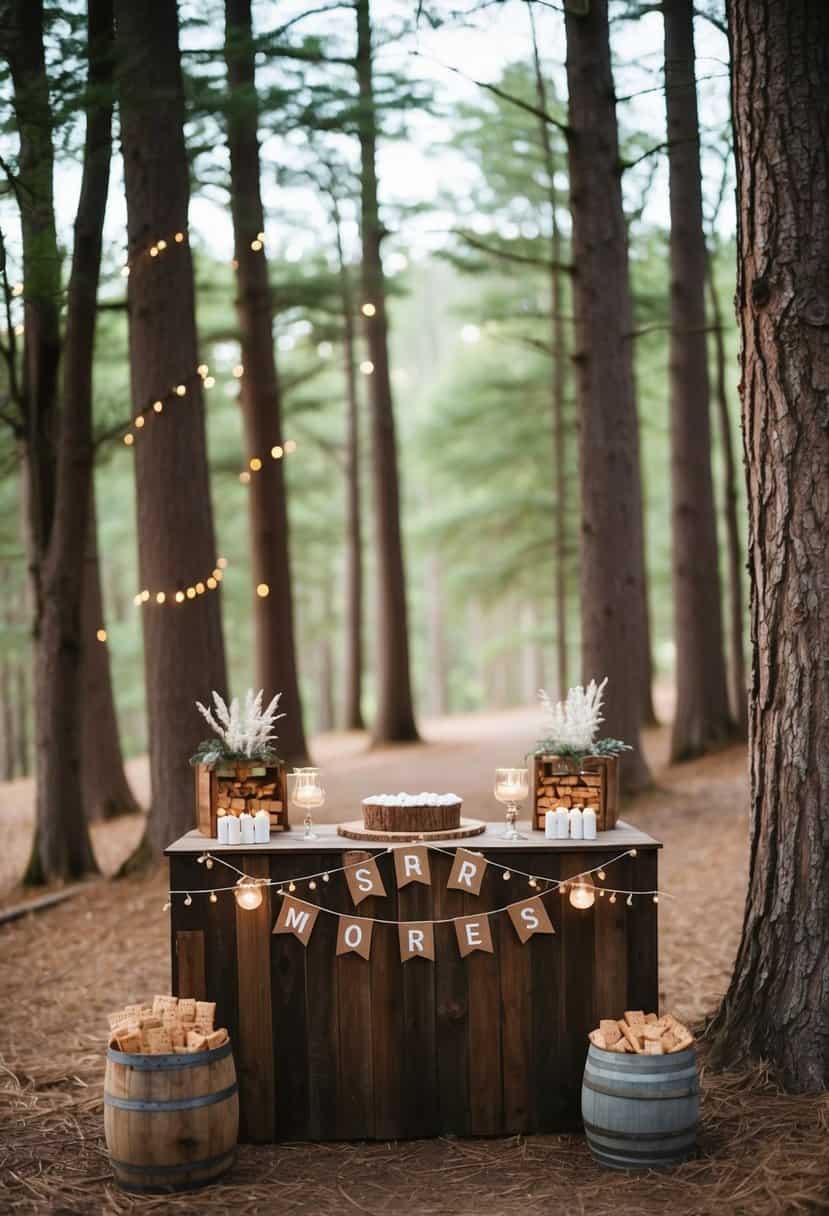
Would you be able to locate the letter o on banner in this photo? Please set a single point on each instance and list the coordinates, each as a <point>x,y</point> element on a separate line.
<point>354,936</point>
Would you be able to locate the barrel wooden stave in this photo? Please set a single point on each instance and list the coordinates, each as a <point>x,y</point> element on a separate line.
<point>640,1112</point>
<point>188,1144</point>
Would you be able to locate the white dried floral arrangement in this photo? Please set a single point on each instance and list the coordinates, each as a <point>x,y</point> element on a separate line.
<point>244,733</point>
<point>573,724</point>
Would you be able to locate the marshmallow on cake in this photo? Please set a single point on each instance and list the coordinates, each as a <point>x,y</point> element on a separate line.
<point>412,812</point>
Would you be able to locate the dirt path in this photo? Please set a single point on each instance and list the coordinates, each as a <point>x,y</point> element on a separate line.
<point>60,972</point>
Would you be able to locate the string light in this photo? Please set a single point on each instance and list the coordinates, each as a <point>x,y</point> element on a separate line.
<point>101,635</point>
<point>368,310</point>
<point>214,899</point>
<point>179,596</point>
<point>579,885</point>
<point>601,875</point>
<point>263,590</point>
<point>238,371</point>
<point>257,463</point>
<point>367,367</point>
<point>533,883</point>
<point>17,290</point>
<point>160,245</point>
<point>506,875</point>
<point>188,901</point>
<point>248,894</point>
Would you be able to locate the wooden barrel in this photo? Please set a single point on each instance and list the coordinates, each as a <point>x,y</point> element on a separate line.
<point>640,1112</point>
<point>171,1121</point>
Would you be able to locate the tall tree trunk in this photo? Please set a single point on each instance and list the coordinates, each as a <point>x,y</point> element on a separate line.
<point>353,675</point>
<point>326,712</point>
<point>559,377</point>
<point>8,756</point>
<point>734,548</point>
<point>614,631</point>
<point>21,44</point>
<point>22,701</point>
<point>394,720</point>
<point>106,791</point>
<point>439,678</point>
<point>183,646</point>
<point>775,1007</point>
<point>701,719</point>
<point>260,391</point>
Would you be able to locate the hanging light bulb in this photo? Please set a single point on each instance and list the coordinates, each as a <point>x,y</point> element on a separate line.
<point>160,597</point>
<point>162,244</point>
<point>613,897</point>
<point>129,439</point>
<point>312,886</point>
<point>179,237</point>
<point>208,861</point>
<point>221,562</point>
<point>632,853</point>
<point>213,897</point>
<point>167,906</point>
<point>533,882</point>
<point>276,452</point>
<point>255,464</point>
<point>191,593</point>
<point>188,900</point>
<point>629,901</point>
<point>368,310</point>
<point>158,406</point>
<point>139,421</point>
<point>291,886</point>
<point>326,878</point>
<point>583,894</point>
<point>656,899</point>
<point>248,894</point>
<point>602,875</point>
<point>506,875</point>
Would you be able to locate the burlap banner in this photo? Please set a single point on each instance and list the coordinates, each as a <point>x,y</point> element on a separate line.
<point>467,872</point>
<point>297,917</point>
<point>417,939</point>
<point>354,936</point>
<point>364,880</point>
<point>411,864</point>
<point>473,933</point>
<point>530,917</point>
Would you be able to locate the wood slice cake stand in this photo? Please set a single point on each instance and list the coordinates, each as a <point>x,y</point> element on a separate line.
<point>357,830</point>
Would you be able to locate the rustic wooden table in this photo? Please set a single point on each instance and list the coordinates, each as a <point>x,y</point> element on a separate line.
<point>332,1047</point>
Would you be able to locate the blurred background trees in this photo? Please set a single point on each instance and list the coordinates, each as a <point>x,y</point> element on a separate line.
<point>431,319</point>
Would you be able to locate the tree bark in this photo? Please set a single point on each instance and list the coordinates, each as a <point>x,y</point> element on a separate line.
<point>106,791</point>
<point>735,556</point>
<point>353,670</point>
<point>559,377</point>
<point>394,719</point>
<point>614,632</point>
<point>775,1007</point>
<point>21,44</point>
<point>260,392</point>
<point>8,756</point>
<point>701,719</point>
<point>183,648</point>
<point>439,678</point>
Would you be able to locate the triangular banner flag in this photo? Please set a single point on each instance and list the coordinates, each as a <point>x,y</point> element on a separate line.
<point>411,864</point>
<point>473,933</point>
<point>530,917</point>
<point>417,939</point>
<point>364,880</point>
<point>354,936</point>
<point>467,872</point>
<point>297,917</point>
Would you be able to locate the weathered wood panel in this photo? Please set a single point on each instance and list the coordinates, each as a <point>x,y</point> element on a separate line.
<point>254,1041</point>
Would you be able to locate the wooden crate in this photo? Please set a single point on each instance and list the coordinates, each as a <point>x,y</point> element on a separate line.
<point>213,785</point>
<point>593,782</point>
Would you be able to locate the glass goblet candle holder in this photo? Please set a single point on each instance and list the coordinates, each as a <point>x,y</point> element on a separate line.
<point>512,786</point>
<point>307,795</point>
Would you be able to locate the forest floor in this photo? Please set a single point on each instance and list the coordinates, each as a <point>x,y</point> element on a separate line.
<point>762,1152</point>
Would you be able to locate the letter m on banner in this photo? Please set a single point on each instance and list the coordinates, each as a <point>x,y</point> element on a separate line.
<point>297,917</point>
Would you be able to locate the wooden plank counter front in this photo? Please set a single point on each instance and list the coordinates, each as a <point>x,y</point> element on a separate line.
<point>338,1047</point>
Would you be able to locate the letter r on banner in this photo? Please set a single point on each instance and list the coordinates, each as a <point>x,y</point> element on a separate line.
<point>417,939</point>
<point>467,872</point>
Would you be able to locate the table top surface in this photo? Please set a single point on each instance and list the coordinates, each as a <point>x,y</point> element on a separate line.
<point>623,836</point>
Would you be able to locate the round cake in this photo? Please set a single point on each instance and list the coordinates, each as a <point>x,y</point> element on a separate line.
<point>412,812</point>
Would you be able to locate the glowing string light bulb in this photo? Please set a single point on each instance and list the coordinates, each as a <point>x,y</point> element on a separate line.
<point>101,635</point>
<point>582,895</point>
<point>188,900</point>
<point>629,901</point>
<point>213,898</point>
<point>248,894</point>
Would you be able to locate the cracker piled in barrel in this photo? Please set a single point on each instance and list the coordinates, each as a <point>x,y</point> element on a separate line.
<point>642,1033</point>
<point>170,1025</point>
<point>233,796</point>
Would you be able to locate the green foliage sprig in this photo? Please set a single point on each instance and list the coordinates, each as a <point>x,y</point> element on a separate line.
<point>602,747</point>
<point>213,752</point>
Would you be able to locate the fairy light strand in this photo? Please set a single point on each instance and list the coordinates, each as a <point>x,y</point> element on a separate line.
<point>553,885</point>
<point>186,592</point>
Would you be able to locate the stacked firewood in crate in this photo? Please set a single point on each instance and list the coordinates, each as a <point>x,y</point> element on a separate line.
<point>235,796</point>
<point>590,782</point>
<point>581,789</point>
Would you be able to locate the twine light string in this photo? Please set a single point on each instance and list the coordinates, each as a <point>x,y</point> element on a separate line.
<point>289,885</point>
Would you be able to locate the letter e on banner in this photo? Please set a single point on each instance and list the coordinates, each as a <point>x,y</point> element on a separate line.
<point>297,917</point>
<point>467,872</point>
<point>411,864</point>
<point>530,917</point>
<point>417,939</point>
<point>473,933</point>
<point>363,879</point>
<point>354,936</point>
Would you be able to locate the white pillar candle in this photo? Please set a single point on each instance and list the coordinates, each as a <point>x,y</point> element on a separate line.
<point>576,824</point>
<point>550,824</point>
<point>234,831</point>
<point>588,822</point>
<point>262,827</point>
<point>223,829</point>
<point>562,823</point>
<point>246,827</point>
